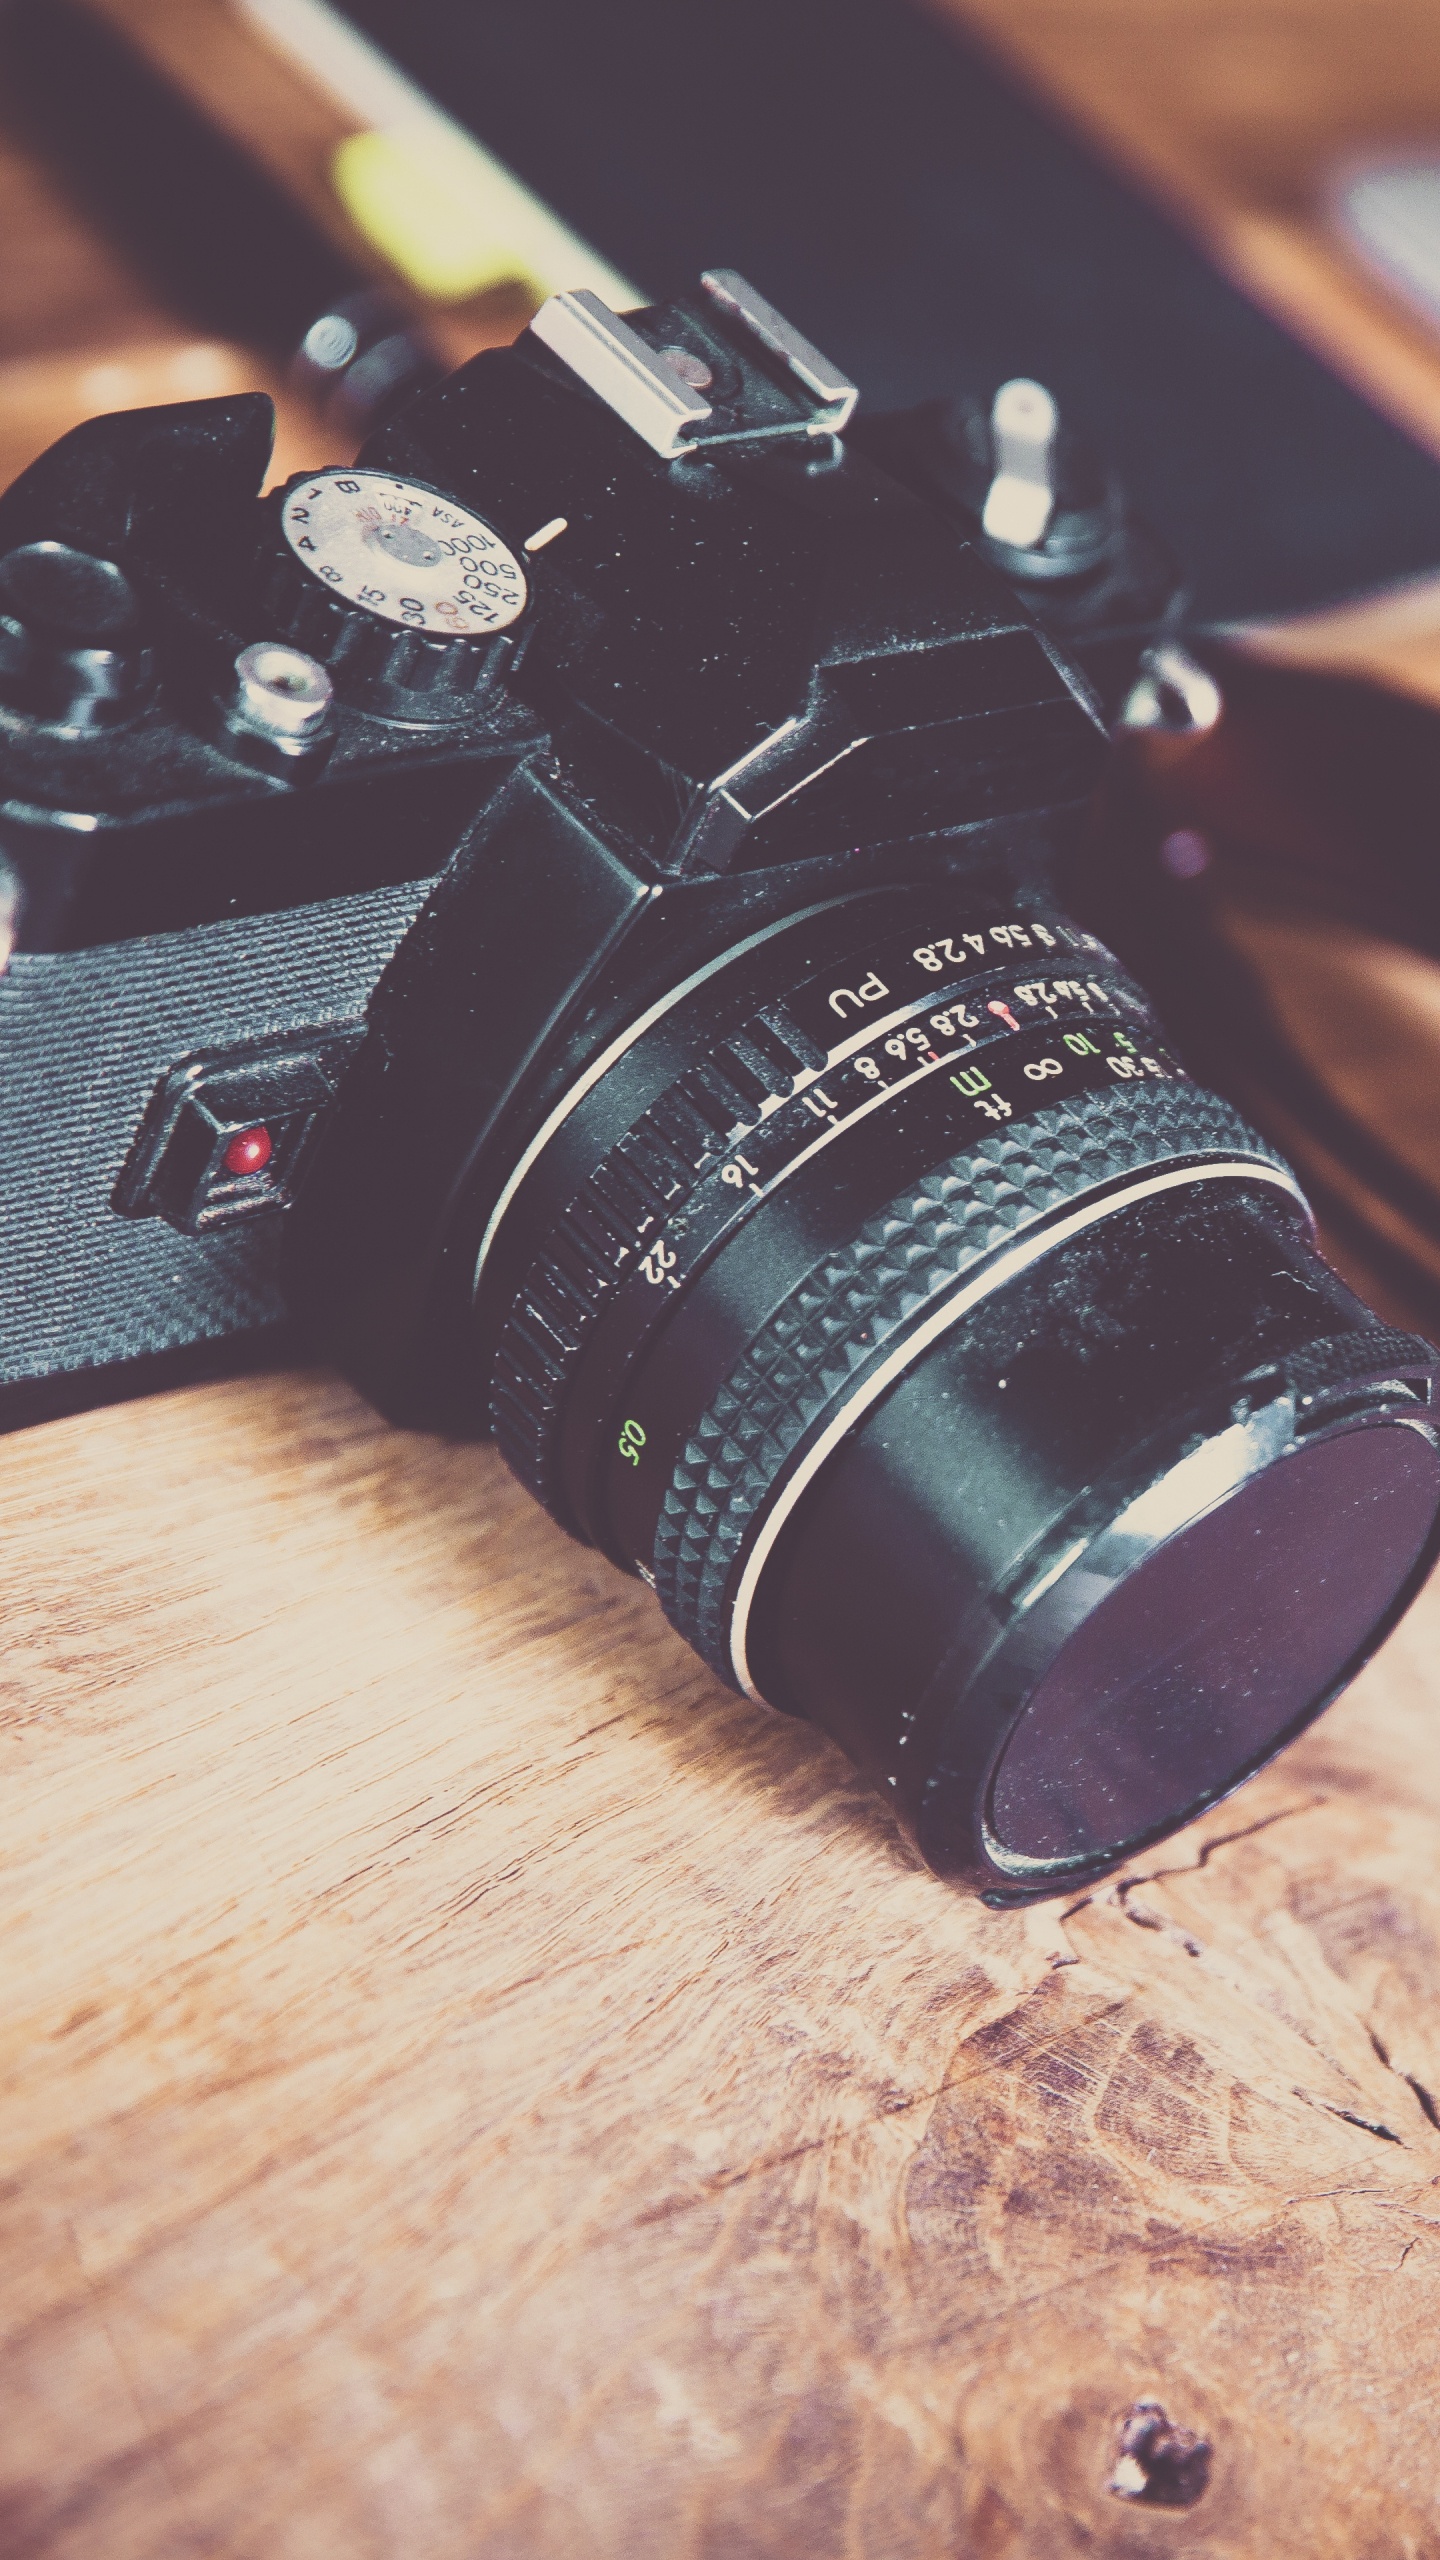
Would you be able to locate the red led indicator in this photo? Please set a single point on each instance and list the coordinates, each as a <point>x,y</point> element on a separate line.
<point>249,1151</point>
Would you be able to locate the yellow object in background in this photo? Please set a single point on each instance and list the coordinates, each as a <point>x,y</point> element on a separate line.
<point>445,233</point>
<point>440,209</point>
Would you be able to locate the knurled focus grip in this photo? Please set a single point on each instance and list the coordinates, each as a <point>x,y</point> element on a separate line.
<point>869,1292</point>
<point>896,1016</point>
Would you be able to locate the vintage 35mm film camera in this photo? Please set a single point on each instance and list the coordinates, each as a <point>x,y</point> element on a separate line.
<point>565,909</point>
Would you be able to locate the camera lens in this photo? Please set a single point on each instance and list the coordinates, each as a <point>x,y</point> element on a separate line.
<point>962,1375</point>
<point>1108,1545</point>
<point>1202,1661</point>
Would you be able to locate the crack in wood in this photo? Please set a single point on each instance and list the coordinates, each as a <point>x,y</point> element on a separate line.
<point>1067,1954</point>
<point>1347,2115</point>
<point>1141,1914</point>
<point>1417,2088</point>
<point>1221,1840</point>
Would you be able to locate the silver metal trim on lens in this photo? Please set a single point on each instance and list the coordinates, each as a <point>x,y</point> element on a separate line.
<point>610,1057</point>
<point>1028,1249</point>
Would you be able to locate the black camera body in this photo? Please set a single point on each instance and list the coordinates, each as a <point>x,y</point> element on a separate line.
<point>566,909</point>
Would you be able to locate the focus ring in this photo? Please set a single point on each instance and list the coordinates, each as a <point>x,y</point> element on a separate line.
<point>652,1168</point>
<point>870,1290</point>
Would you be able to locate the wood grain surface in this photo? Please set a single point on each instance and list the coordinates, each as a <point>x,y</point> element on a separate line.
<point>471,2089</point>
<point>469,2086</point>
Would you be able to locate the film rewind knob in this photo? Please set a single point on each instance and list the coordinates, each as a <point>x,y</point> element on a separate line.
<point>71,648</point>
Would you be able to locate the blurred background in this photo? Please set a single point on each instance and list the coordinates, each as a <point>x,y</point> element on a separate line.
<point>1212,227</point>
<point>1119,195</point>
<point>942,196</point>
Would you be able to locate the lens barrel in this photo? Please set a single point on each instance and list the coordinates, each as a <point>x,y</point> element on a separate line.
<point>963,1377</point>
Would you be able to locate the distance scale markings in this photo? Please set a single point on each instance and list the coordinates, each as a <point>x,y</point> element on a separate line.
<point>903,974</point>
<point>971,1090</point>
<point>648,1413</point>
<point>846,1043</point>
<point>404,552</point>
<point>866,1074</point>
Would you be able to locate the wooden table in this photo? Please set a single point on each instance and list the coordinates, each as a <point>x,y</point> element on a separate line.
<point>470,2089</point>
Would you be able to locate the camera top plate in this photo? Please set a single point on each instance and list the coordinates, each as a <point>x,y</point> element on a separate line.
<point>762,377</point>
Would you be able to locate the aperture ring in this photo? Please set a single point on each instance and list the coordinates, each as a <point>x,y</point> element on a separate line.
<point>872,1290</point>
<point>801,1071</point>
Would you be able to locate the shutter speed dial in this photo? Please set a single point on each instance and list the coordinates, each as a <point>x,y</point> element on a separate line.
<point>405,553</point>
<point>405,593</point>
